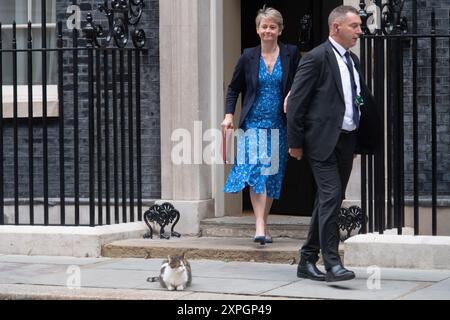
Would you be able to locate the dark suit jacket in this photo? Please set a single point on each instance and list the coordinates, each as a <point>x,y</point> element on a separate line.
<point>316,106</point>
<point>245,76</point>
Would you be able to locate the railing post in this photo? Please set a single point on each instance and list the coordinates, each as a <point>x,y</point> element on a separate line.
<point>98,97</point>
<point>367,173</point>
<point>415,124</point>
<point>123,155</point>
<point>15,128</point>
<point>30,124</point>
<point>130,133</point>
<point>62,183</point>
<point>433,128</point>
<point>89,30</point>
<point>76,139</point>
<point>138,133</point>
<point>115,138</point>
<point>44,108</point>
<point>379,155</point>
<point>107,134</point>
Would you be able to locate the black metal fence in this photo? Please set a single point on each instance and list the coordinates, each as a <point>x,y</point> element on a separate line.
<point>106,118</point>
<point>393,178</point>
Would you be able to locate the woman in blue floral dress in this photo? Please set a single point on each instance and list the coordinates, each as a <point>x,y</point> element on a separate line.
<point>264,75</point>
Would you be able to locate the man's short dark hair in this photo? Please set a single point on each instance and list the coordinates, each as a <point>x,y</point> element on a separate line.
<point>339,13</point>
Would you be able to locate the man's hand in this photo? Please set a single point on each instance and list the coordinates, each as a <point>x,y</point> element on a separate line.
<point>296,153</point>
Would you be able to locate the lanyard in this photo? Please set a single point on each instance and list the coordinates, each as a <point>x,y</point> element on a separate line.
<point>349,67</point>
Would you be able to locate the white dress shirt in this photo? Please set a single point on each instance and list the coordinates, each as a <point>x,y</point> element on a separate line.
<point>347,123</point>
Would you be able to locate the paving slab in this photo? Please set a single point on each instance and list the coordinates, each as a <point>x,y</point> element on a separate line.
<point>227,285</point>
<point>212,269</point>
<point>131,264</point>
<point>35,292</point>
<point>356,289</point>
<point>436,291</point>
<point>224,297</point>
<point>51,259</point>
<point>30,292</point>
<point>96,278</point>
<point>27,277</point>
<point>402,274</point>
<point>242,270</point>
<point>28,272</point>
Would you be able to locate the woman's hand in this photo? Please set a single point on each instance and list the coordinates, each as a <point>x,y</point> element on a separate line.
<point>285,102</point>
<point>227,123</point>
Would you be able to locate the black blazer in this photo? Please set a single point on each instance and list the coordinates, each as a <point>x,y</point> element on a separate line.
<point>316,106</point>
<point>245,76</point>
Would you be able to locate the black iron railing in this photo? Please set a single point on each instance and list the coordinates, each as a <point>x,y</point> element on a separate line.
<point>390,64</point>
<point>97,129</point>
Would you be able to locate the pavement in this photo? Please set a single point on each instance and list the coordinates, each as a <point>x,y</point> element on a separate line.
<point>69,278</point>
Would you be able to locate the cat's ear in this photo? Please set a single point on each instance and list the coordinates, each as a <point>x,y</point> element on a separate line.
<point>169,258</point>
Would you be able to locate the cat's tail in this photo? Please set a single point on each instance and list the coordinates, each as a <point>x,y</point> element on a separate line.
<point>152,279</point>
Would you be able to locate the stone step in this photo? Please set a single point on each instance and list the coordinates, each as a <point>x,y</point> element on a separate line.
<point>244,227</point>
<point>283,250</point>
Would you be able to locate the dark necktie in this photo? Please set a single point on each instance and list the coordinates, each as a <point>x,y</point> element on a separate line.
<point>353,85</point>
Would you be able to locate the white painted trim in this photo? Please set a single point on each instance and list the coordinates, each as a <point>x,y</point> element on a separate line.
<point>25,26</point>
<point>22,101</point>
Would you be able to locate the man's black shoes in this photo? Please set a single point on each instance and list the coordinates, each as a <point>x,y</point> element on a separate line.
<point>308,270</point>
<point>339,273</point>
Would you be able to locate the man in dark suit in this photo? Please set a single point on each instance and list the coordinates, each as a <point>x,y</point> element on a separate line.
<point>325,114</point>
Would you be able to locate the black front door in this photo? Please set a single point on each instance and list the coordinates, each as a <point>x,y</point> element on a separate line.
<point>298,190</point>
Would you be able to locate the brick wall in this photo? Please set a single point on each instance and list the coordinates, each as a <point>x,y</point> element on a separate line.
<point>442,8</point>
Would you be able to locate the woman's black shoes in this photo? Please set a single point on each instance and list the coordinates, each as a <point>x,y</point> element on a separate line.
<point>260,239</point>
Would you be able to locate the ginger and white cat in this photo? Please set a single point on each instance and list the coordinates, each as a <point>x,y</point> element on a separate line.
<point>175,273</point>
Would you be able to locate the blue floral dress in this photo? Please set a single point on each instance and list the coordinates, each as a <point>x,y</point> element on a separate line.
<point>262,150</point>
